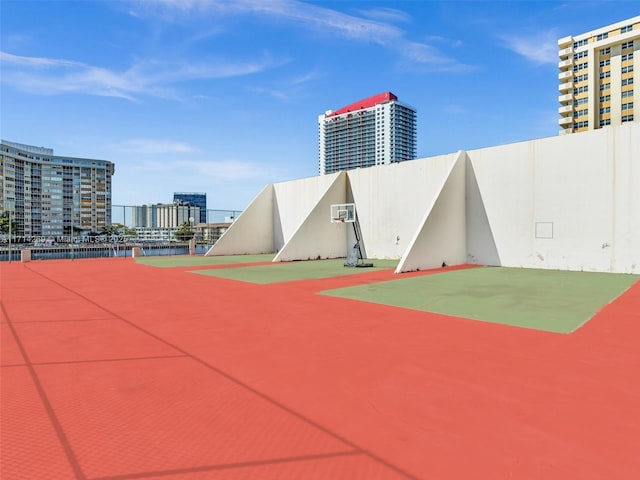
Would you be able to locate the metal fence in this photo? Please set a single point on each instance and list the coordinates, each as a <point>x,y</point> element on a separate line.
<point>151,241</point>
<point>41,248</point>
<point>128,216</point>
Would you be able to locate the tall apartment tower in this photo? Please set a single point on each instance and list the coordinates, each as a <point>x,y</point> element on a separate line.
<point>377,130</point>
<point>144,216</point>
<point>597,77</point>
<point>48,194</point>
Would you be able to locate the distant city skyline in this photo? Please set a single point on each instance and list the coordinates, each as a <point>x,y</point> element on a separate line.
<point>224,97</point>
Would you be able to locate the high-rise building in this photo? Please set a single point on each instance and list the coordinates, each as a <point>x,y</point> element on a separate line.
<point>52,195</point>
<point>374,131</point>
<point>597,77</point>
<point>197,199</point>
<point>144,216</point>
<point>173,215</point>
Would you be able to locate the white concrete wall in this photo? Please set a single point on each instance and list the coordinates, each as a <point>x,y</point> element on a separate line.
<point>393,200</point>
<point>296,199</point>
<point>317,237</point>
<point>253,230</point>
<point>625,245</point>
<point>441,236</point>
<point>569,202</point>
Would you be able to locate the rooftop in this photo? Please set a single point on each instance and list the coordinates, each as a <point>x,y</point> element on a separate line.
<point>113,369</point>
<point>365,103</point>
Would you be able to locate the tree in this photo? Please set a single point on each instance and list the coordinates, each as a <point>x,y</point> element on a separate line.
<point>184,232</point>
<point>118,229</point>
<point>4,224</point>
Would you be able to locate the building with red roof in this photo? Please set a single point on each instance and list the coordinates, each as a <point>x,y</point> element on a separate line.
<point>377,130</point>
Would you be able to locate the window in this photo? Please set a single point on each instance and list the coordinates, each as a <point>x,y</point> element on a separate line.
<point>582,54</point>
<point>627,56</point>
<point>605,110</point>
<point>580,43</point>
<point>584,88</point>
<point>605,98</point>
<point>627,44</point>
<point>581,113</point>
<point>581,101</point>
<point>626,29</point>
<point>605,51</point>
<point>606,74</point>
<point>581,124</point>
<point>580,66</point>
<point>627,81</point>
<point>606,121</point>
<point>605,86</point>
<point>602,36</point>
<point>604,63</point>
<point>627,118</point>
<point>627,94</point>
<point>581,78</point>
<point>627,106</point>
<point>627,69</point>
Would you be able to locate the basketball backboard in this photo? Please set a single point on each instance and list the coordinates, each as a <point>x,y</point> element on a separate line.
<point>343,213</point>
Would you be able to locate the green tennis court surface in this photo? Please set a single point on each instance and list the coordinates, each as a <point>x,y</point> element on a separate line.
<point>555,301</point>
<point>196,261</point>
<point>289,271</point>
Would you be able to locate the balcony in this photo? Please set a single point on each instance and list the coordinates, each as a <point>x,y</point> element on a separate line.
<point>565,41</point>
<point>565,110</point>
<point>563,87</point>
<point>564,64</point>
<point>566,52</point>
<point>565,121</point>
<point>565,75</point>
<point>567,97</point>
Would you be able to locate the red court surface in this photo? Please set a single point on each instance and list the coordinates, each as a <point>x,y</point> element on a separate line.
<point>114,370</point>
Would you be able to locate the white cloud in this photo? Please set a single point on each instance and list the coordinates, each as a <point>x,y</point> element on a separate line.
<point>540,48</point>
<point>159,78</point>
<point>448,41</point>
<point>272,92</point>
<point>373,26</point>
<point>36,62</point>
<point>289,88</point>
<point>47,76</point>
<point>426,55</point>
<point>387,15</point>
<point>304,78</point>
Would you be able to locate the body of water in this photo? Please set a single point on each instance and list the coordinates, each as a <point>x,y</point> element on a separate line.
<point>102,251</point>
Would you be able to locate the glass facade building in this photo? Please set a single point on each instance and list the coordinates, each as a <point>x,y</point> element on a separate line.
<point>377,130</point>
<point>48,194</point>
<point>196,199</point>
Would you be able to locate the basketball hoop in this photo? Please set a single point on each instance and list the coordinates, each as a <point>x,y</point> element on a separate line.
<point>343,213</point>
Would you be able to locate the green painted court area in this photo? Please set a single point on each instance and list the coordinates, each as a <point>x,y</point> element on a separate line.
<point>550,300</point>
<point>171,261</point>
<point>290,271</point>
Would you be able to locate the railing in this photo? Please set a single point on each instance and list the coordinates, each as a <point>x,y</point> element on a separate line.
<point>130,216</point>
<point>115,246</point>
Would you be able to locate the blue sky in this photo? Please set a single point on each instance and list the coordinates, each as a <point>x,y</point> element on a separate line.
<point>223,97</point>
